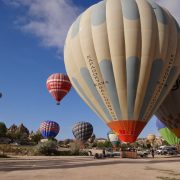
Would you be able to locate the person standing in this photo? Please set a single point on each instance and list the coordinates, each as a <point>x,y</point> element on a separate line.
<point>152,153</point>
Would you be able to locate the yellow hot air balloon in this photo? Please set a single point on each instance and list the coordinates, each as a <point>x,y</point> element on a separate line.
<point>169,111</point>
<point>122,57</point>
<point>151,138</point>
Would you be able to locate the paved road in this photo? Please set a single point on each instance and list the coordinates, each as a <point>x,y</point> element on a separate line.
<point>86,168</point>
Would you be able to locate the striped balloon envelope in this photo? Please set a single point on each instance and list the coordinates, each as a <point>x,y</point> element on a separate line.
<point>49,129</point>
<point>169,111</point>
<point>167,134</point>
<point>122,57</point>
<point>82,131</point>
<point>58,85</point>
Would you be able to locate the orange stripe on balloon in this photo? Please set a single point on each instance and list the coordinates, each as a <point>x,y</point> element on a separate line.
<point>127,130</point>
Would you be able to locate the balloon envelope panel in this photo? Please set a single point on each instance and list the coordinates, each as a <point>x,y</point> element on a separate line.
<point>82,131</point>
<point>169,111</point>
<point>58,86</point>
<point>119,55</point>
<point>49,129</point>
<point>167,134</point>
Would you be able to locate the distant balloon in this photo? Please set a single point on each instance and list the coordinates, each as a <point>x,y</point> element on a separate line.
<point>58,86</point>
<point>169,111</point>
<point>92,138</point>
<point>167,134</point>
<point>113,138</point>
<point>49,129</point>
<point>0,94</point>
<point>122,57</point>
<point>82,131</point>
<point>151,137</point>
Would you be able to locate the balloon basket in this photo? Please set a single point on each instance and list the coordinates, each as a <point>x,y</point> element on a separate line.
<point>128,154</point>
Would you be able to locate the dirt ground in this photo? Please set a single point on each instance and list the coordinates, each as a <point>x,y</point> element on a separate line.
<point>88,168</point>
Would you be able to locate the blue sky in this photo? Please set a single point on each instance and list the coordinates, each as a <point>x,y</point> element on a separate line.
<point>30,51</point>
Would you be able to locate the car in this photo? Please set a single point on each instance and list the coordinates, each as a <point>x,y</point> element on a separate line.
<point>142,153</point>
<point>164,150</point>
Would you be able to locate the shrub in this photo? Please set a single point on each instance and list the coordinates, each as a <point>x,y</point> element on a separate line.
<point>46,148</point>
<point>3,156</point>
<point>75,148</point>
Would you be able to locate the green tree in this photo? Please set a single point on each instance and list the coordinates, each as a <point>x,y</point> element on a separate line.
<point>36,137</point>
<point>107,144</point>
<point>75,148</point>
<point>3,129</point>
<point>11,132</point>
<point>46,148</point>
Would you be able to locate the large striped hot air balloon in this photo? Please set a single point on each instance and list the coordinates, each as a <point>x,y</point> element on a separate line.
<point>167,134</point>
<point>169,111</point>
<point>82,131</point>
<point>49,129</point>
<point>122,57</point>
<point>58,86</point>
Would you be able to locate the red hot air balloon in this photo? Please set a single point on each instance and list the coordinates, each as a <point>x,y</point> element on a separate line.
<point>58,86</point>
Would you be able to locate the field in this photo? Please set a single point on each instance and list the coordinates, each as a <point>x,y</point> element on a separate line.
<point>88,168</point>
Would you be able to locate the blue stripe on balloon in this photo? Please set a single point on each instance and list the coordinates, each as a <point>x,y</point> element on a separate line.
<point>132,69</point>
<point>156,69</point>
<point>159,12</point>
<point>130,9</point>
<point>87,78</point>
<point>108,77</point>
<point>98,16</point>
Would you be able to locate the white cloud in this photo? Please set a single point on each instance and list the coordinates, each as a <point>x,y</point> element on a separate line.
<point>50,19</point>
<point>173,6</point>
<point>47,19</point>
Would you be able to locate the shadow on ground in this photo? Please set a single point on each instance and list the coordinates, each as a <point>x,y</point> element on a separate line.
<point>38,164</point>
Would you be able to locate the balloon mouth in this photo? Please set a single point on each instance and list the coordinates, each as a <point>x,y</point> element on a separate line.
<point>128,138</point>
<point>176,131</point>
<point>127,130</point>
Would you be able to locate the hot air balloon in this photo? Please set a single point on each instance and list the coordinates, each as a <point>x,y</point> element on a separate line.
<point>58,86</point>
<point>92,138</point>
<point>167,134</point>
<point>122,57</point>
<point>169,111</point>
<point>113,138</point>
<point>151,138</point>
<point>0,94</point>
<point>49,129</point>
<point>82,131</point>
